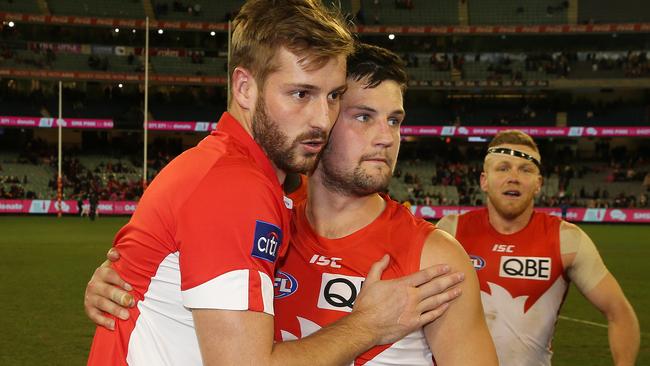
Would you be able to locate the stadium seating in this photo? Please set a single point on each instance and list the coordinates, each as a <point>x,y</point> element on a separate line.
<point>423,12</point>
<point>183,66</point>
<point>509,12</point>
<point>98,8</point>
<point>607,11</point>
<point>38,176</point>
<point>209,11</point>
<point>19,6</point>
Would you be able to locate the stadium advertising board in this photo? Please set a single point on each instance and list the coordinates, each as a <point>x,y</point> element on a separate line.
<point>67,207</point>
<point>610,215</point>
<point>46,122</point>
<point>196,126</point>
<point>582,131</point>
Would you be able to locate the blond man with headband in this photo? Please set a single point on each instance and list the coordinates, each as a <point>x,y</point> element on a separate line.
<point>200,252</point>
<point>525,259</point>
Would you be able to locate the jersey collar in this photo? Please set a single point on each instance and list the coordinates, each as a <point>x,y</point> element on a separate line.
<point>229,125</point>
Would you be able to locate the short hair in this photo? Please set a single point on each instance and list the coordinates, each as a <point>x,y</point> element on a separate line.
<point>374,65</point>
<point>305,27</point>
<point>514,137</point>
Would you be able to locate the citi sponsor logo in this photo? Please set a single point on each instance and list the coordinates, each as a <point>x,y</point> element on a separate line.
<point>528,268</point>
<point>266,241</point>
<point>284,285</point>
<point>503,248</point>
<point>477,262</point>
<point>324,261</point>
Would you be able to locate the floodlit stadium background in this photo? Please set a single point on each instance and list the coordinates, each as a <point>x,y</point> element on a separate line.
<point>575,74</point>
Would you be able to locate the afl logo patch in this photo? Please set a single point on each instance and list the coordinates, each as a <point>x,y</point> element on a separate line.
<point>477,262</point>
<point>284,285</point>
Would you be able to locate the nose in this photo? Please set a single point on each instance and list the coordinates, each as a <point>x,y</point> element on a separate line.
<point>385,135</point>
<point>324,115</point>
<point>513,176</point>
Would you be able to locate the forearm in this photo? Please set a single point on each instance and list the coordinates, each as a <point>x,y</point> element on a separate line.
<point>624,337</point>
<point>337,344</point>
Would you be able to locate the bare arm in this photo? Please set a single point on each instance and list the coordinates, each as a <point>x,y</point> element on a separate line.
<point>587,270</point>
<point>460,336</point>
<point>623,325</point>
<point>384,312</point>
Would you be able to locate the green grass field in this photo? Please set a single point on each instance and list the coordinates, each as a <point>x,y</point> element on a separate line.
<point>45,263</point>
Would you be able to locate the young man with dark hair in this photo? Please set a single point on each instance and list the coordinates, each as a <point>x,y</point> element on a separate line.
<point>346,224</point>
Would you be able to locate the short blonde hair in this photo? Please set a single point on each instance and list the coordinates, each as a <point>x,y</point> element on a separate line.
<point>514,137</point>
<point>305,27</point>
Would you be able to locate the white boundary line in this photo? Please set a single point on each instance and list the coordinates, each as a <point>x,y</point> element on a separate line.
<point>583,321</point>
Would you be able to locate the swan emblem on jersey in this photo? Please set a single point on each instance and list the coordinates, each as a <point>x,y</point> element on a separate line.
<point>413,346</point>
<point>506,315</point>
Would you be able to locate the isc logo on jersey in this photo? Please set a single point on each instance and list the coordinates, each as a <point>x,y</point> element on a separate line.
<point>528,268</point>
<point>266,241</point>
<point>338,292</point>
<point>284,285</point>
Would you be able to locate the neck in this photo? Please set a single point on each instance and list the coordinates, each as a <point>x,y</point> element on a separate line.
<point>505,225</point>
<point>245,119</point>
<point>333,215</point>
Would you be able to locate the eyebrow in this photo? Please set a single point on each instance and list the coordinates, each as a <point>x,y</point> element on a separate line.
<point>514,163</point>
<point>370,109</point>
<point>340,88</point>
<point>303,86</point>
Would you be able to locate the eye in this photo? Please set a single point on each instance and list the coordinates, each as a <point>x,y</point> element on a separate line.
<point>362,117</point>
<point>502,168</point>
<point>335,95</point>
<point>300,94</point>
<point>394,122</point>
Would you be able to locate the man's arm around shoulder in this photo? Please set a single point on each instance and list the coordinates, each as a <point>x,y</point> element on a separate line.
<point>460,336</point>
<point>384,312</point>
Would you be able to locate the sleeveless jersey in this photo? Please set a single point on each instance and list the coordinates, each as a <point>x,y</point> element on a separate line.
<point>319,279</point>
<point>522,283</point>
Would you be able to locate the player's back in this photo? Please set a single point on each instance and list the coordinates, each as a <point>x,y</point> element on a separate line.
<point>522,283</point>
<point>319,279</point>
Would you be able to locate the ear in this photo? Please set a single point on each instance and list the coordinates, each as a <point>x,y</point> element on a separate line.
<point>483,181</point>
<point>244,88</point>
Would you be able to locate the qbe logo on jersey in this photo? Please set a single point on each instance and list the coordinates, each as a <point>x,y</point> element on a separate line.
<point>528,268</point>
<point>338,292</point>
<point>266,241</point>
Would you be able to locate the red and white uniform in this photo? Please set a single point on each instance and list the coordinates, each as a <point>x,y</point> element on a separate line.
<point>320,278</point>
<point>206,235</point>
<point>522,281</point>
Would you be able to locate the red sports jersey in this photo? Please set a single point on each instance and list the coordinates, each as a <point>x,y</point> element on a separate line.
<point>319,279</point>
<point>206,235</point>
<point>522,283</point>
<point>300,193</point>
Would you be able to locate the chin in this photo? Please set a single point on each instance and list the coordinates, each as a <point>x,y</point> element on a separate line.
<point>512,211</point>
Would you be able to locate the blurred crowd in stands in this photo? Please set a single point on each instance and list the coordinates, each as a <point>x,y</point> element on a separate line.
<point>499,65</point>
<point>425,183</point>
<point>117,180</point>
